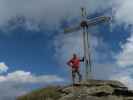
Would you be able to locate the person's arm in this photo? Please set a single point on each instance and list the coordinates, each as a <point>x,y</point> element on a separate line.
<point>82,60</point>
<point>69,63</point>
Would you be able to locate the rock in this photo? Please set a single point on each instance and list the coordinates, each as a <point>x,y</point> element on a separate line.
<point>100,90</point>
<point>90,90</point>
<point>123,92</point>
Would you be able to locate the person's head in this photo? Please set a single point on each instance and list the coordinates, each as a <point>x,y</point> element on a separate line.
<point>74,55</point>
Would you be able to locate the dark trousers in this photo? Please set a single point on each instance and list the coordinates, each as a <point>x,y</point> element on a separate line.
<point>74,72</point>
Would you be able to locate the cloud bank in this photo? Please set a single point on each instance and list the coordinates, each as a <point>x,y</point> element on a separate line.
<point>3,67</point>
<point>27,77</point>
<point>124,59</point>
<point>123,11</point>
<point>45,12</point>
<point>123,15</point>
<point>20,82</point>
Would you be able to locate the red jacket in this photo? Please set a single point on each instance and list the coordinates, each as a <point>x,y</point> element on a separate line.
<point>74,63</point>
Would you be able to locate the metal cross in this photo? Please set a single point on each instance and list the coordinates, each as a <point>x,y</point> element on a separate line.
<point>84,24</point>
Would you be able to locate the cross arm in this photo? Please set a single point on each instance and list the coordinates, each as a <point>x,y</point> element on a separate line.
<point>72,29</point>
<point>98,20</point>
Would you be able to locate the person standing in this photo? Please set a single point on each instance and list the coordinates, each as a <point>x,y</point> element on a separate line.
<point>74,63</point>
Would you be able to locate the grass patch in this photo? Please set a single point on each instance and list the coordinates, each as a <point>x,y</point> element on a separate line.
<point>51,93</point>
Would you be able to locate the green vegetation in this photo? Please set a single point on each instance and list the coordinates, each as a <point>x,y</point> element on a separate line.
<point>43,94</point>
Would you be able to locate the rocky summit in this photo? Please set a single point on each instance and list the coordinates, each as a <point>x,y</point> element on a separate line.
<point>90,90</point>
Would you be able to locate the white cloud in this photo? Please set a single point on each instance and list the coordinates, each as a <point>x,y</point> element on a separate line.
<point>46,11</point>
<point>125,57</point>
<point>3,67</point>
<point>20,82</point>
<point>66,45</point>
<point>124,11</point>
<point>27,77</point>
<point>123,14</point>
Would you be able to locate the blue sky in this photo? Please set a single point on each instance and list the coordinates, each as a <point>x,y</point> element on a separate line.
<point>34,50</point>
<point>27,52</point>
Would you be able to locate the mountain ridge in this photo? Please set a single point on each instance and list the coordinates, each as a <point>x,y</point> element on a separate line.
<point>89,90</point>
